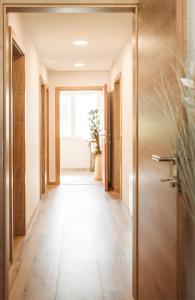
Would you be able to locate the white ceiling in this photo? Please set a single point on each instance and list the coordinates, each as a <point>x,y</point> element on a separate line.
<point>53,35</point>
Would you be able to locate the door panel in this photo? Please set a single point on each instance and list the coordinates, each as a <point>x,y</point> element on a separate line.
<point>18,73</point>
<point>158,204</point>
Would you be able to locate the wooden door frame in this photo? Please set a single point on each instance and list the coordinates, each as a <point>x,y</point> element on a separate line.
<point>44,113</point>
<point>118,79</point>
<point>37,6</point>
<point>57,120</point>
<point>47,128</point>
<point>106,140</point>
<point>13,42</point>
<point>4,188</point>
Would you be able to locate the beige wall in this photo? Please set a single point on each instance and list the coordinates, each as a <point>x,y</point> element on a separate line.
<point>68,79</point>
<point>124,65</point>
<point>33,69</point>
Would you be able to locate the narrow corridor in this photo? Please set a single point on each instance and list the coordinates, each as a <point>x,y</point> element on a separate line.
<point>79,248</point>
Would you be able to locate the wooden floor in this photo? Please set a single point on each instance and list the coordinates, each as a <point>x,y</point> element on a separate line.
<point>78,177</point>
<point>79,248</point>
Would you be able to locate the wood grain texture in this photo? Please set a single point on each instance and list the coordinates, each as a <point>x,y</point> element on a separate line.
<point>18,73</point>
<point>158,265</point>
<point>50,263</point>
<point>116,138</point>
<point>106,141</point>
<point>44,136</point>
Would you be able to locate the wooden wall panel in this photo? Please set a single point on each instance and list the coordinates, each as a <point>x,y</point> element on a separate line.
<point>157,206</point>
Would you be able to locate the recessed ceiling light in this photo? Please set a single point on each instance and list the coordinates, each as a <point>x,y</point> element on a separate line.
<point>79,65</point>
<point>80,43</point>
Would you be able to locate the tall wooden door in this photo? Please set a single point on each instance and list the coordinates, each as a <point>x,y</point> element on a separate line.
<point>17,216</point>
<point>17,151</point>
<point>158,204</point>
<point>106,141</point>
<point>18,79</point>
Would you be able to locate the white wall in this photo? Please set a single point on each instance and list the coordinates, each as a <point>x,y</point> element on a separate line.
<point>33,69</point>
<point>124,65</point>
<point>70,79</point>
<point>74,154</point>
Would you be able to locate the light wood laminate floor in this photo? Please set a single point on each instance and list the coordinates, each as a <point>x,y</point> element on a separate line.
<point>79,248</point>
<point>78,177</point>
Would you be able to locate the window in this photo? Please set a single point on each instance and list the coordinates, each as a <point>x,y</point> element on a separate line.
<point>74,109</point>
<point>65,114</point>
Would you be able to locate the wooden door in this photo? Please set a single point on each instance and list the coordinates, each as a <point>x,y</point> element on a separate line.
<point>17,219</point>
<point>18,78</point>
<point>106,143</point>
<point>158,204</point>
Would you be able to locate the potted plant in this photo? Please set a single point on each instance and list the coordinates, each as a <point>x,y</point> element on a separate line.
<point>94,124</point>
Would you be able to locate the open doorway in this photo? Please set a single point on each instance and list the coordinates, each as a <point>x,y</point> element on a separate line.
<point>81,118</point>
<point>17,140</point>
<point>68,150</point>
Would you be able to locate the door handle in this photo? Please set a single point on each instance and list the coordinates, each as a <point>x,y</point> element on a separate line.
<point>164,158</point>
<point>172,180</point>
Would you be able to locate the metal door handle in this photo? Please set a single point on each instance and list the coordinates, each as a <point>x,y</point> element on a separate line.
<point>172,180</point>
<point>164,158</point>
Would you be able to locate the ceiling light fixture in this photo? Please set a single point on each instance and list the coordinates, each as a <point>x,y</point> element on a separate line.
<point>79,65</point>
<point>80,43</point>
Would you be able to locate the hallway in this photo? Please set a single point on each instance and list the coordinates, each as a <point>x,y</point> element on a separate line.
<point>79,248</point>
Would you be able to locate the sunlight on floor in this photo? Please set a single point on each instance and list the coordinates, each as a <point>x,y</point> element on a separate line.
<point>78,177</point>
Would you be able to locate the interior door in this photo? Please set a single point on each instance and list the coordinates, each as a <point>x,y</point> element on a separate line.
<point>17,223</point>
<point>158,203</point>
<point>106,140</point>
